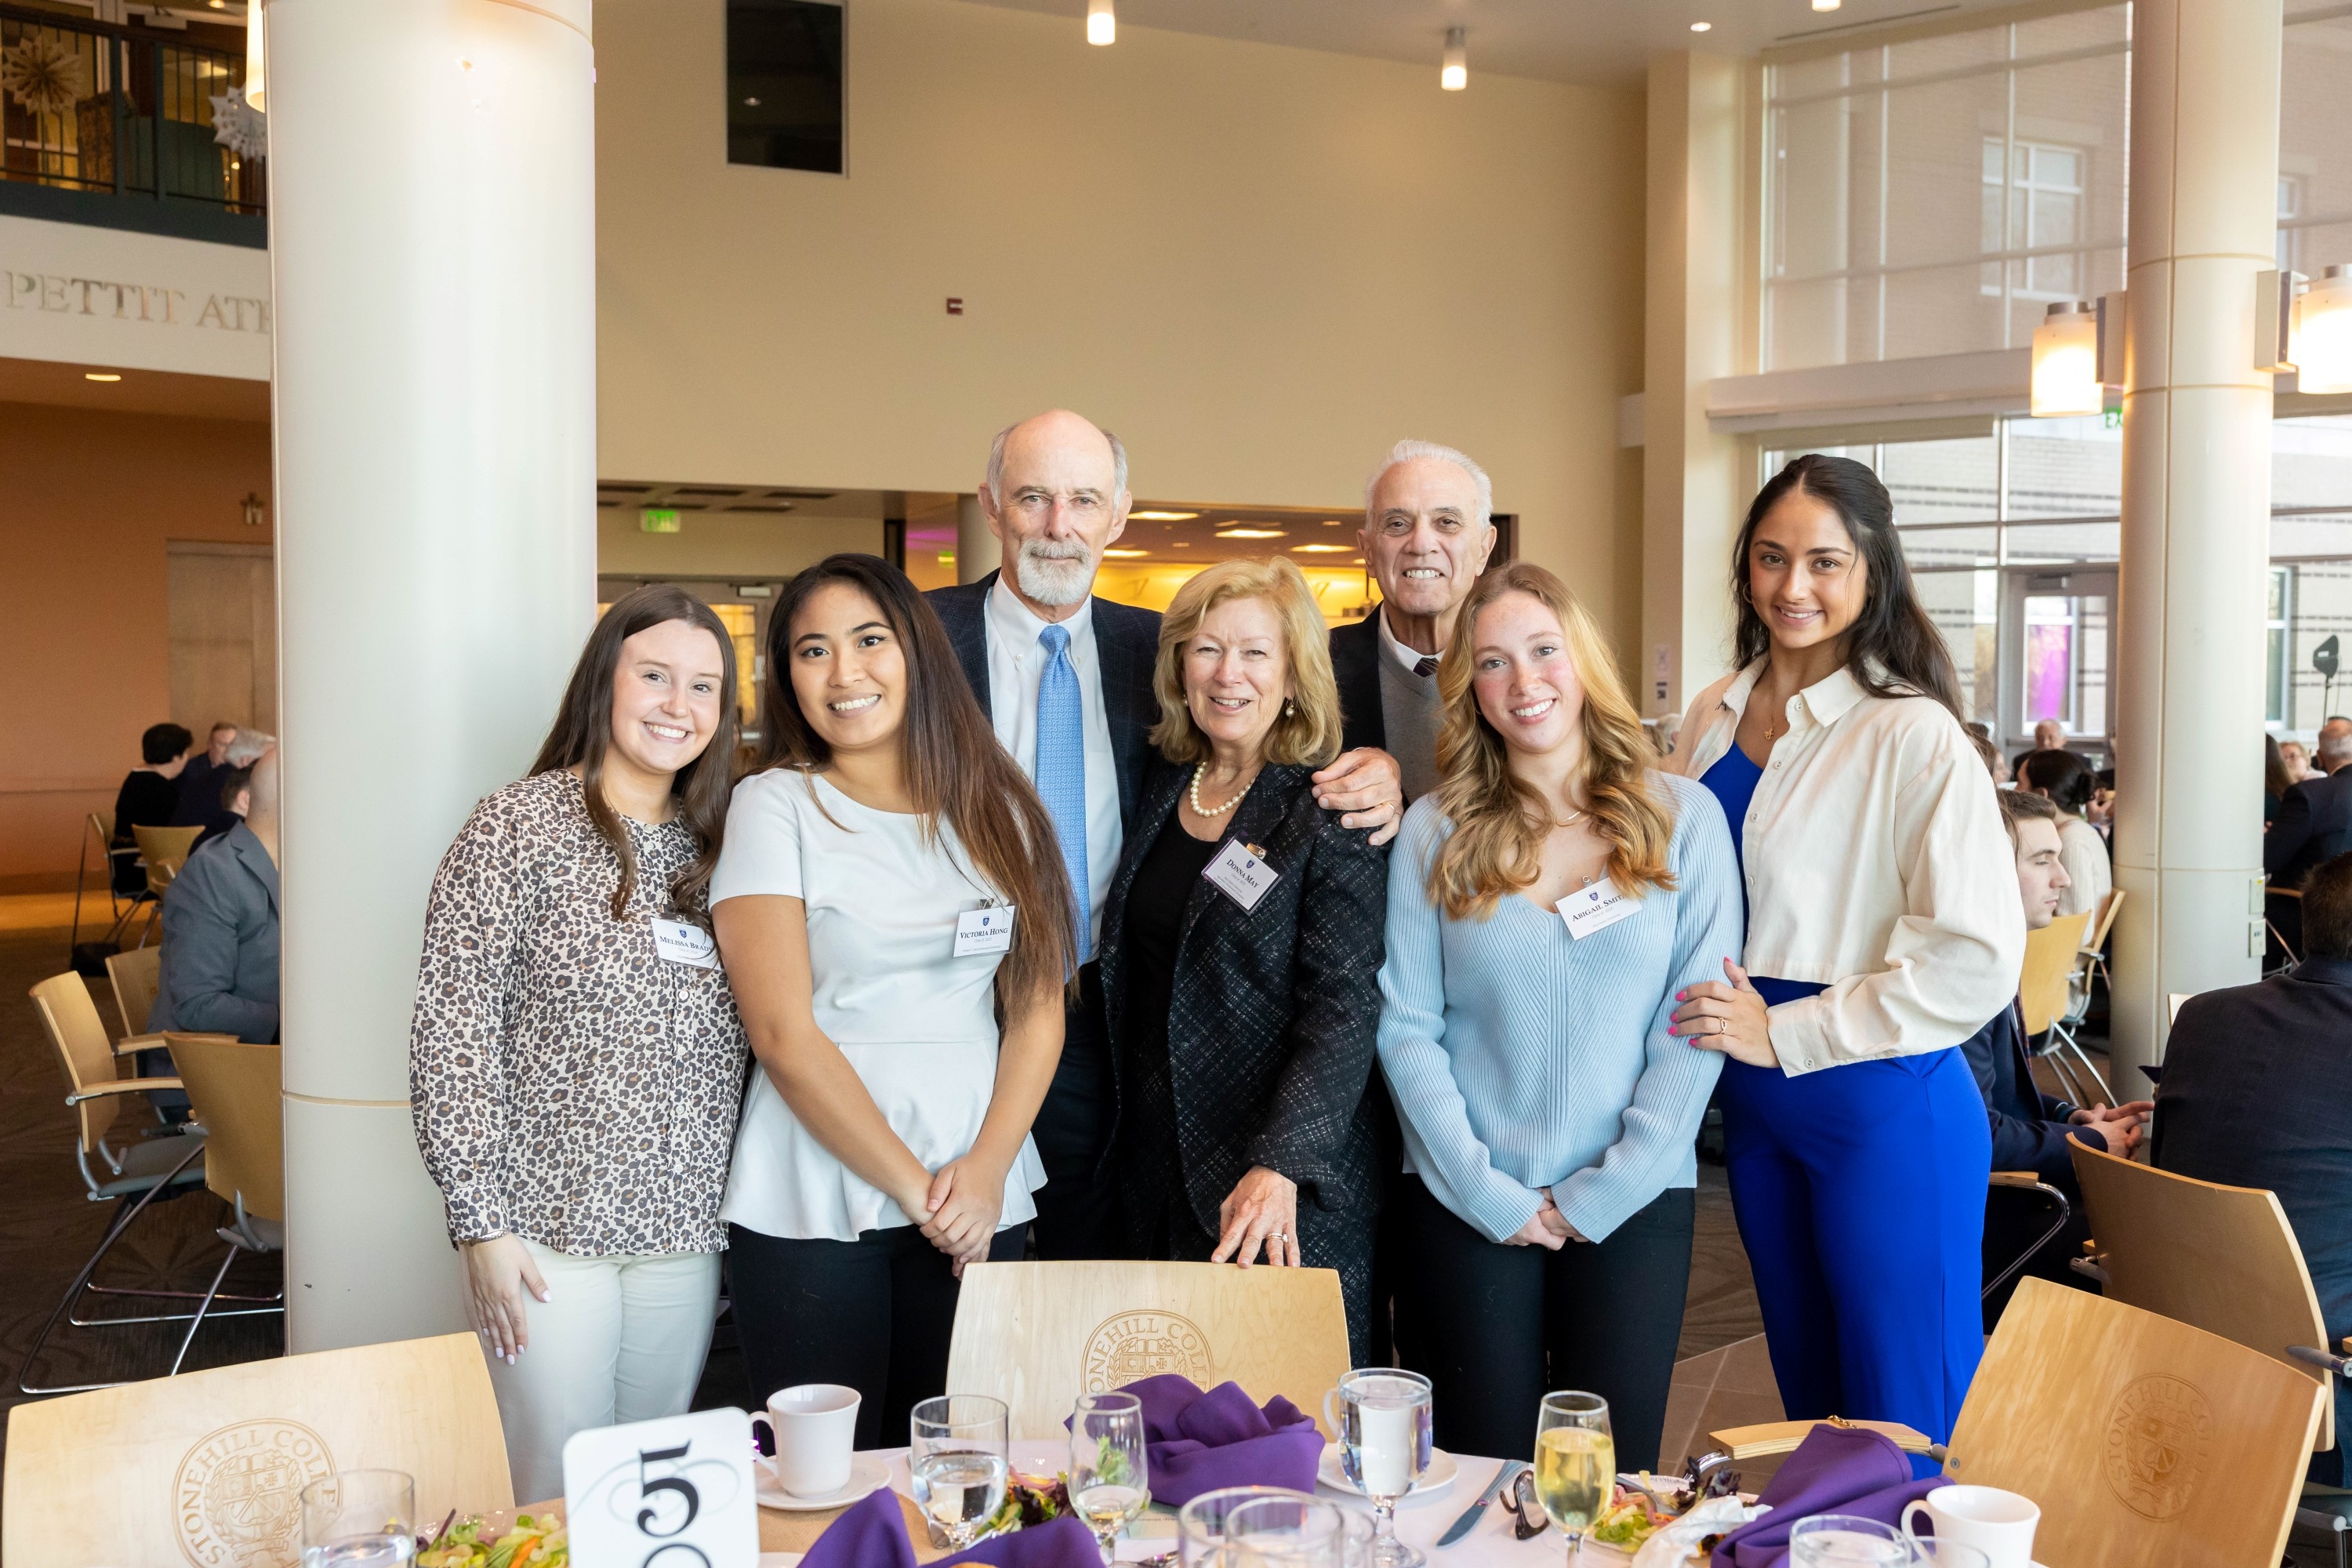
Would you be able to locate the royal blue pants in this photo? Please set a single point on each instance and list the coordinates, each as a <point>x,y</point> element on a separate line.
<point>1859,1192</point>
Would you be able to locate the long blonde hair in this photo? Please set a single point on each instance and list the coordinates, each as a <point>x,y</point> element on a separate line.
<point>1500,822</point>
<point>1309,731</point>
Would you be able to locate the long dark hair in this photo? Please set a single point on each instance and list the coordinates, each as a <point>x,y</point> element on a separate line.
<point>2068,777</point>
<point>954,769</point>
<point>1892,649</point>
<point>582,733</point>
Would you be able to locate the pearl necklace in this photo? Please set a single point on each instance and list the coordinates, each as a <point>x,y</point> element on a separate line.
<point>1193,791</point>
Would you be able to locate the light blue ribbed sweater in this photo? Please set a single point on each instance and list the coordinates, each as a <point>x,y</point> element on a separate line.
<point>1520,1057</point>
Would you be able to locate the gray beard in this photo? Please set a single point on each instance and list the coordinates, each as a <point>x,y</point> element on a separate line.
<point>1054,581</point>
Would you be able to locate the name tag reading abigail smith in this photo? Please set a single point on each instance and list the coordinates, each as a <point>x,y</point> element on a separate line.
<point>1594,907</point>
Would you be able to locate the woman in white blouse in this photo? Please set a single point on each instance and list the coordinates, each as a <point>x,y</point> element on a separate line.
<point>862,904</point>
<point>1883,930</point>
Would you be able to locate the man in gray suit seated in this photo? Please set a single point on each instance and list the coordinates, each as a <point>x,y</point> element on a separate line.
<point>220,927</point>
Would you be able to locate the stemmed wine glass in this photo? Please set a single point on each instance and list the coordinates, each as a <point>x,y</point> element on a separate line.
<point>1109,1480</point>
<point>956,1451</point>
<point>1382,1424</point>
<point>1576,1462</point>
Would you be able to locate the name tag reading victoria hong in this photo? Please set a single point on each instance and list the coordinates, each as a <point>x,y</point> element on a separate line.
<point>982,930</point>
<point>1594,907</point>
<point>1241,873</point>
<point>679,942</point>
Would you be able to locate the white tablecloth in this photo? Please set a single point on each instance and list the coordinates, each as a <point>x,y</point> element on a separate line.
<point>1420,1521</point>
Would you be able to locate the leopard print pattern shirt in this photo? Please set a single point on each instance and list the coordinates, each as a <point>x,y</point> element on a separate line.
<point>568,1084</point>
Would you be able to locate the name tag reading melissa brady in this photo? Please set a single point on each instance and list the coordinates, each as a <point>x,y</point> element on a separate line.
<point>984,930</point>
<point>1595,906</point>
<point>680,943</point>
<point>1241,873</point>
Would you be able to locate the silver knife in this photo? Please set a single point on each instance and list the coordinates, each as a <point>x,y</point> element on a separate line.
<point>1461,1527</point>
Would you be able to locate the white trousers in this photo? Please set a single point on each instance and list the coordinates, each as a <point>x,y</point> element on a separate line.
<point>623,1339</point>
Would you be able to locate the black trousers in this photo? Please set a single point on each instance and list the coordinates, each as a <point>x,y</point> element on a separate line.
<point>1077,1208</point>
<point>874,1313</point>
<point>1496,1327</point>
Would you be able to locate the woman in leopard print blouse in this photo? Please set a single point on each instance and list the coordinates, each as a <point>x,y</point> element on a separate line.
<point>576,1062</point>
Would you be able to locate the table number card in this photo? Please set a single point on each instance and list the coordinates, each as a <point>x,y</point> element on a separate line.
<point>673,1493</point>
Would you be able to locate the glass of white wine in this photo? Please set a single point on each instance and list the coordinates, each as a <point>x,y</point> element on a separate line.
<point>1576,1462</point>
<point>956,1450</point>
<point>1110,1482</point>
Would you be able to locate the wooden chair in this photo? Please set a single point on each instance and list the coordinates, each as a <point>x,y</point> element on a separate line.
<point>2224,1259</point>
<point>165,850</point>
<point>1038,1335</point>
<point>209,1468</point>
<point>235,1091</point>
<point>2050,956</point>
<point>2090,963</point>
<point>135,976</point>
<point>2147,1442</point>
<point>99,824</point>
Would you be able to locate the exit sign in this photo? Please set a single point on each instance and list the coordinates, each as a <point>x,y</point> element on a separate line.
<point>659,520</point>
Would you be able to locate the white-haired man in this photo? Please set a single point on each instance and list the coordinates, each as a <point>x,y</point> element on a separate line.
<point>1428,530</point>
<point>1067,680</point>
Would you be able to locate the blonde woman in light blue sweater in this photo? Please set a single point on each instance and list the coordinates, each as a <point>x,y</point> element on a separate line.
<point>1545,906</point>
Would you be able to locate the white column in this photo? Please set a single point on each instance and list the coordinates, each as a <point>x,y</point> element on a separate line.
<point>433,247</point>
<point>1694,487</point>
<point>2196,510</point>
<point>977,552</point>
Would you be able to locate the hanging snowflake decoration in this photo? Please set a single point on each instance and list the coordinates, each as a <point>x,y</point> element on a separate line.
<point>239,126</point>
<point>44,76</point>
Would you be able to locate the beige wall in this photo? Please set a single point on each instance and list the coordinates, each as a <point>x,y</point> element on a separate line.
<point>1259,265</point>
<point>92,500</point>
<point>710,544</point>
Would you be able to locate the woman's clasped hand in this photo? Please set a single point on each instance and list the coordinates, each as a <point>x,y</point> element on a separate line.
<point>1727,1015</point>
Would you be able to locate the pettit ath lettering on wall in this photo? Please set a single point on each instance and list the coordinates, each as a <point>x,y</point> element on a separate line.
<point>85,295</point>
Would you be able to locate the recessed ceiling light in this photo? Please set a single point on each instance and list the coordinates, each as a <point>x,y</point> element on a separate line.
<point>1251,532</point>
<point>99,375</point>
<point>1826,5</point>
<point>1182,544</point>
<point>1127,555</point>
<point>1702,27</point>
<point>1318,548</point>
<point>1333,522</point>
<point>1161,516</point>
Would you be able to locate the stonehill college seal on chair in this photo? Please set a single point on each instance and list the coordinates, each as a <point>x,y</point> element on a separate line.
<point>2159,1435</point>
<point>238,1498</point>
<point>1134,1345</point>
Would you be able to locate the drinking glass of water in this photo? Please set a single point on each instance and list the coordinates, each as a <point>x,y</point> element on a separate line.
<point>359,1519</point>
<point>1382,1424</point>
<point>1286,1530</point>
<point>1109,1483</point>
<point>1576,1461</point>
<point>1846,1541</point>
<point>1200,1523</point>
<point>956,1448</point>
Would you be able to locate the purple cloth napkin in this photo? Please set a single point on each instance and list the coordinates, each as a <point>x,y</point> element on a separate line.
<point>1199,1442</point>
<point>873,1534</point>
<point>1836,1469</point>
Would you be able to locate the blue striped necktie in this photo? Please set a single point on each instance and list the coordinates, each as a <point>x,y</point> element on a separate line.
<point>1060,772</point>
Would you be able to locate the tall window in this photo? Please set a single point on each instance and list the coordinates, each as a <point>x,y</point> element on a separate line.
<point>784,84</point>
<point>2033,207</point>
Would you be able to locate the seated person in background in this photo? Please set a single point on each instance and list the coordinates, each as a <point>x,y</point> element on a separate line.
<point>2298,764</point>
<point>198,803</point>
<point>2029,1127</point>
<point>238,761</point>
<point>149,795</point>
<point>220,927</point>
<point>2314,823</point>
<point>2049,735</point>
<point>2277,778</point>
<point>2256,1094</point>
<point>1980,737</point>
<point>2064,780</point>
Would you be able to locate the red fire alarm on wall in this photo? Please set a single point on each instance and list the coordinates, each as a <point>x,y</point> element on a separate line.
<point>955,304</point>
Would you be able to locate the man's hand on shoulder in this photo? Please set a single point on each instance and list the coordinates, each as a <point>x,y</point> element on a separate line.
<point>1366,786</point>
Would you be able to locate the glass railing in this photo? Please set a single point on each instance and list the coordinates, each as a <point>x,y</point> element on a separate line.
<point>131,111</point>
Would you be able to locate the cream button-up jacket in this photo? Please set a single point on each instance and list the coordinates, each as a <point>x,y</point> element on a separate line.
<point>1875,865</point>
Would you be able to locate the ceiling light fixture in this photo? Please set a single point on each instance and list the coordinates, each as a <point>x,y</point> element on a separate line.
<point>1702,27</point>
<point>1454,73</point>
<point>1102,27</point>
<point>1161,516</point>
<point>1827,4</point>
<point>1319,549</point>
<point>1251,532</point>
<point>99,375</point>
<point>2066,362</point>
<point>1127,555</point>
<point>254,30</point>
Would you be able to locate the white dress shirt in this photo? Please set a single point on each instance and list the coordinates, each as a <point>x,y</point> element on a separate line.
<point>1016,660</point>
<point>1876,864</point>
<point>1407,658</point>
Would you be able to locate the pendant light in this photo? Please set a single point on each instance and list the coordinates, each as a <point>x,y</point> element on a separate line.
<point>253,56</point>
<point>1102,26</point>
<point>1454,74</point>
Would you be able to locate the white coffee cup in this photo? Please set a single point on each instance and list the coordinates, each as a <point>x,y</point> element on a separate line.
<point>1998,1523</point>
<point>816,1428</point>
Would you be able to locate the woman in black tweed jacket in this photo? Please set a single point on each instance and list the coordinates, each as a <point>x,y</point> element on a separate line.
<point>1244,1019</point>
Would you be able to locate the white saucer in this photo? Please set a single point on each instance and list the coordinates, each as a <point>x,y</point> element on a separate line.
<point>1434,1482</point>
<point>867,1473</point>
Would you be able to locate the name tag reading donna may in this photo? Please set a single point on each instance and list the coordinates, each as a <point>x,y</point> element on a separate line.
<point>1594,907</point>
<point>1241,873</point>
<point>679,942</point>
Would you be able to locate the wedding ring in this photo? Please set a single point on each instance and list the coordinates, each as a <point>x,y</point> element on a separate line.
<point>1276,1235</point>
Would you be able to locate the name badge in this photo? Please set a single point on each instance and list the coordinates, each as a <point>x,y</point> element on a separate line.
<point>1594,907</point>
<point>679,942</point>
<point>1241,873</point>
<point>984,930</point>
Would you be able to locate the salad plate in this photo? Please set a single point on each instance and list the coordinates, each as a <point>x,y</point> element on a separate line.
<point>1434,1482</point>
<point>866,1474</point>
